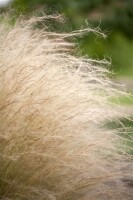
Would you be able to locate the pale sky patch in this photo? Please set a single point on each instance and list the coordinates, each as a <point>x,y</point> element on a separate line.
<point>4,3</point>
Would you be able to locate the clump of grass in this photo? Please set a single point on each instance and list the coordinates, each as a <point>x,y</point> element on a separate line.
<point>53,107</point>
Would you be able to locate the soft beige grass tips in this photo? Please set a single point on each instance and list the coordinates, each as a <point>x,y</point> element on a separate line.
<point>53,106</point>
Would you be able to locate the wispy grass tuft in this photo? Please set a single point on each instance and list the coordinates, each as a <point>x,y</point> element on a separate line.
<point>53,107</point>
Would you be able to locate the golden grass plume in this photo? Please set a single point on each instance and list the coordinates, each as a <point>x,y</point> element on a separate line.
<point>53,107</point>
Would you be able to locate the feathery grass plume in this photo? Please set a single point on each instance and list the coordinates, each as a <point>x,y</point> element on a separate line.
<point>53,107</point>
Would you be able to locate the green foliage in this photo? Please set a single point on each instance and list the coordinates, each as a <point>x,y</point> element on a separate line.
<point>122,100</point>
<point>116,47</point>
<point>125,127</point>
